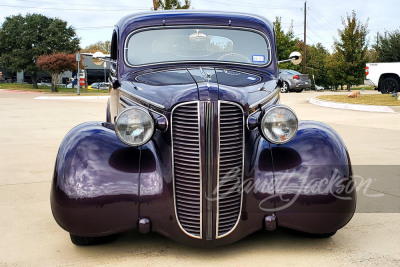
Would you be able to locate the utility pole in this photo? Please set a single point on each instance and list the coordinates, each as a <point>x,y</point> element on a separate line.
<point>155,5</point>
<point>305,38</point>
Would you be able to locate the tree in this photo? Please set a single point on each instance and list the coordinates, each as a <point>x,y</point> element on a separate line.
<point>388,47</point>
<point>316,58</point>
<point>170,4</point>
<point>352,47</point>
<point>24,39</point>
<point>285,43</point>
<point>55,64</point>
<point>104,47</point>
<point>334,64</point>
<point>372,55</point>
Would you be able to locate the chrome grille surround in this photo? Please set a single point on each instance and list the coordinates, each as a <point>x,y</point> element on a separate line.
<point>187,153</point>
<point>230,159</point>
<point>187,181</point>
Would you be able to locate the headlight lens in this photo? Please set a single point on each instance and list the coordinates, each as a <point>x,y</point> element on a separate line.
<point>134,126</point>
<point>279,124</point>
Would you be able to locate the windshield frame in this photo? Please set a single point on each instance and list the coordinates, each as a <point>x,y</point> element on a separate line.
<point>262,34</point>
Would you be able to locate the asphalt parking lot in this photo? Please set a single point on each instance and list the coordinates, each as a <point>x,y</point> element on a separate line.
<point>31,131</point>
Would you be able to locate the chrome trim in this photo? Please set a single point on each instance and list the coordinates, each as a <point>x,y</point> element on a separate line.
<point>142,98</point>
<point>272,99</point>
<point>123,104</point>
<point>269,48</point>
<point>208,117</point>
<point>200,167</point>
<point>265,99</point>
<point>243,150</point>
<point>131,103</point>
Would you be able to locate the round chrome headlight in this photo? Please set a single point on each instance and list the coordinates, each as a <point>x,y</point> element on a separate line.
<point>134,126</point>
<point>279,124</point>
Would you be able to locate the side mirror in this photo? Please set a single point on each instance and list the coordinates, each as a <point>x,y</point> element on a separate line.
<point>295,58</point>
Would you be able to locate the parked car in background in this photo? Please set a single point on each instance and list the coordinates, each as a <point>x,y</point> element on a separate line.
<point>99,86</point>
<point>44,84</point>
<point>294,81</point>
<point>385,77</point>
<point>196,145</point>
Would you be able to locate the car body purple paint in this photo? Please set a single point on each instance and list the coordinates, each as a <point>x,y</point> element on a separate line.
<point>206,115</point>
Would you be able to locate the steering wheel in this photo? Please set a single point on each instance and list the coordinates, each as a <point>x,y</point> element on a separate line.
<point>233,55</point>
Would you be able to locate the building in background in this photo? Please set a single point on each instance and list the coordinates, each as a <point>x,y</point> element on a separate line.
<point>94,73</point>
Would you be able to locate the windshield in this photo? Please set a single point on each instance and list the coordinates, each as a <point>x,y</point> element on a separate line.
<point>197,44</point>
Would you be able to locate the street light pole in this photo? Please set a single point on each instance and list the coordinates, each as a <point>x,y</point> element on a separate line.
<point>105,65</point>
<point>78,58</point>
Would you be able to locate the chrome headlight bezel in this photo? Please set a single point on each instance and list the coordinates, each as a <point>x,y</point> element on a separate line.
<point>269,112</point>
<point>145,113</point>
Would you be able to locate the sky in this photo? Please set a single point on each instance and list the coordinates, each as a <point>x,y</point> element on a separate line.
<point>94,20</point>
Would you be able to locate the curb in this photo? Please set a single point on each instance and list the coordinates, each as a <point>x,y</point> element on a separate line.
<point>71,97</point>
<point>368,108</point>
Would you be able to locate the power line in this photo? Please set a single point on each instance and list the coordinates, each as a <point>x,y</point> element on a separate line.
<point>316,34</point>
<point>237,3</point>
<point>322,19</point>
<point>69,4</point>
<point>77,9</point>
<point>311,39</point>
<point>318,22</point>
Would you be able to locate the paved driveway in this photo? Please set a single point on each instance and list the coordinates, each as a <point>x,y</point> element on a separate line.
<point>31,131</point>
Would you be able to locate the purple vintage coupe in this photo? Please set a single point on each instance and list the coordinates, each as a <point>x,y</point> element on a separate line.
<point>196,145</point>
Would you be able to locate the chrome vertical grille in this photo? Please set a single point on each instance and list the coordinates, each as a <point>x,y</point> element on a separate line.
<point>187,167</point>
<point>230,168</point>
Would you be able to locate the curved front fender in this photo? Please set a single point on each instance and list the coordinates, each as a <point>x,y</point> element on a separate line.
<point>95,183</point>
<point>314,190</point>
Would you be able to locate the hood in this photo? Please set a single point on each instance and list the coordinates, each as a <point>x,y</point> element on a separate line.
<point>170,87</point>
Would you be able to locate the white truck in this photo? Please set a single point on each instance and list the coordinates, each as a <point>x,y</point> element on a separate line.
<point>385,77</point>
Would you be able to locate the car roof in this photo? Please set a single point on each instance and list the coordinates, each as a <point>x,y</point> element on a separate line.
<point>189,17</point>
<point>287,70</point>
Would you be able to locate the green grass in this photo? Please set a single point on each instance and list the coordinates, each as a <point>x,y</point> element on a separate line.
<point>377,100</point>
<point>359,87</point>
<point>47,89</point>
<point>365,87</point>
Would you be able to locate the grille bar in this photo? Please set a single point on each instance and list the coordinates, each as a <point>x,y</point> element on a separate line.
<point>209,128</point>
<point>230,167</point>
<point>185,124</point>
